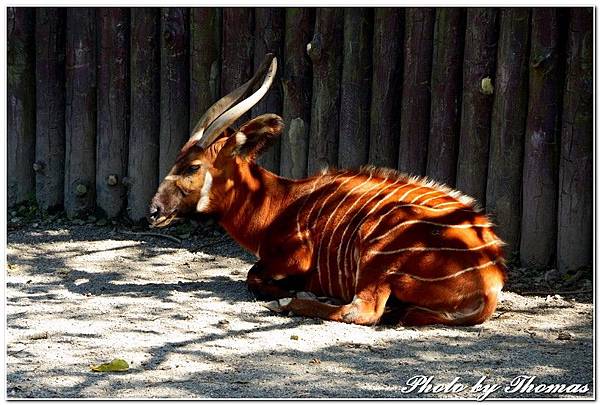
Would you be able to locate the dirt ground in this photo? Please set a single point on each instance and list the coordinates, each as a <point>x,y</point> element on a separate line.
<point>181,316</point>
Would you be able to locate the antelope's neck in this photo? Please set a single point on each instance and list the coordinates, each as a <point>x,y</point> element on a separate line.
<point>258,199</point>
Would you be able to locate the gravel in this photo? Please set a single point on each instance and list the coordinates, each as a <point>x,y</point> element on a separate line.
<point>182,317</point>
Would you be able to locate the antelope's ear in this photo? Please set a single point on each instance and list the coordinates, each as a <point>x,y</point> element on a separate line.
<point>257,135</point>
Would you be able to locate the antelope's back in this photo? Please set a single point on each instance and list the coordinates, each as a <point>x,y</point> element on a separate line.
<point>376,223</point>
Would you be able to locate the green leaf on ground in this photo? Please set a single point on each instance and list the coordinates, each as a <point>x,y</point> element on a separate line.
<point>115,365</point>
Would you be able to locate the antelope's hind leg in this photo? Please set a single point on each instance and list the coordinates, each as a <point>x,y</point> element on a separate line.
<point>366,308</point>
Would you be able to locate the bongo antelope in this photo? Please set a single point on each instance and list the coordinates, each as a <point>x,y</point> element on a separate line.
<point>366,237</point>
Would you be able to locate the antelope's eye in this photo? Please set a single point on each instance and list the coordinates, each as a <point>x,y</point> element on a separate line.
<point>192,169</point>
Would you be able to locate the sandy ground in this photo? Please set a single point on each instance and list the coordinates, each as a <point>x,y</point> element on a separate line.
<point>182,317</point>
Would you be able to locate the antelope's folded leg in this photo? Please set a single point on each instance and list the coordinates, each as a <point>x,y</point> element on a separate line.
<point>263,287</point>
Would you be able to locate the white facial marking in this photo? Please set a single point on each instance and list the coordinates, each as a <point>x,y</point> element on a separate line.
<point>204,198</point>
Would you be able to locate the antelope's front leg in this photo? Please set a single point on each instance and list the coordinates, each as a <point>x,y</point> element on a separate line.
<point>365,309</point>
<point>263,286</point>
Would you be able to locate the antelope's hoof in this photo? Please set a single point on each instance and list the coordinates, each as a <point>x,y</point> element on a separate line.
<point>273,306</point>
<point>278,305</point>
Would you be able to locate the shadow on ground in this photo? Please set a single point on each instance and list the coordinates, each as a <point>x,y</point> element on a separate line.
<point>193,330</point>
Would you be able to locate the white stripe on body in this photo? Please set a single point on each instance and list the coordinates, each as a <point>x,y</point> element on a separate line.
<point>405,206</point>
<point>435,249</point>
<point>447,203</point>
<point>339,269</point>
<point>419,221</point>
<point>410,191</point>
<point>318,216</point>
<point>458,273</point>
<point>306,198</point>
<point>432,198</point>
<point>349,193</point>
<point>313,207</point>
<point>345,255</point>
<point>414,200</point>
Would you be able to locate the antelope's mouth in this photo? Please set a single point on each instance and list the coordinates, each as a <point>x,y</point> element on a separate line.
<point>164,220</point>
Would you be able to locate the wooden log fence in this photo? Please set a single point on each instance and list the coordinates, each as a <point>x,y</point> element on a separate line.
<point>50,107</point>
<point>80,127</point>
<point>21,104</point>
<point>497,102</point>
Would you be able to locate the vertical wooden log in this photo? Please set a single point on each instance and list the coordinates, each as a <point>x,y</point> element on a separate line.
<point>479,64</point>
<point>540,174</point>
<point>575,210</point>
<point>325,52</point>
<point>80,128</point>
<point>388,31</point>
<point>503,195</point>
<point>268,38</point>
<point>356,87</point>
<point>174,86</point>
<point>297,90</point>
<point>113,109</point>
<point>414,121</point>
<point>50,107</point>
<point>238,50</point>
<point>446,83</point>
<point>144,133</point>
<point>21,104</point>
<point>205,60</point>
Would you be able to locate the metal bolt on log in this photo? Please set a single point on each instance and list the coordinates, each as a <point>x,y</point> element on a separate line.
<point>38,166</point>
<point>80,190</point>
<point>112,180</point>
<point>314,49</point>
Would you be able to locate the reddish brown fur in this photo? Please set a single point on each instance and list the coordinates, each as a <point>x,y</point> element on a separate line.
<point>335,234</point>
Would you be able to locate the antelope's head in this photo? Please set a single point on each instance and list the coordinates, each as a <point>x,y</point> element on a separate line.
<point>208,159</point>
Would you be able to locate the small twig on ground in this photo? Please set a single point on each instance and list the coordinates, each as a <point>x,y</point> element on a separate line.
<point>555,292</point>
<point>499,314</point>
<point>158,235</point>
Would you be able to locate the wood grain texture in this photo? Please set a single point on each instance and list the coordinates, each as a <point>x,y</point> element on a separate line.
<point>416,93</point>
<point>503,195</point>
<point>80,131</point>
<point>113,109</point>
<point>144,133</point>
<point>50,107</point>
<point>479,63</point>
<point>205,60</point>
<point>355,98</point>
<point>297,91</point>
<point>540,158</point>
<point>21,104</point>
<point>268,38</point>
<point>386,90</point>
<point>174,86</point>
<point>237,51</point>
<point>446,89</point>
<point>575,209</point>
<point>325,53</point>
